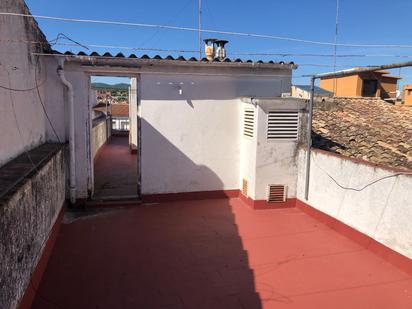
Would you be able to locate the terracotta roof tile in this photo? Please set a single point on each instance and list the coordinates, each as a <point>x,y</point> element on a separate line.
<point>118,109</point>
<point>367,129</point>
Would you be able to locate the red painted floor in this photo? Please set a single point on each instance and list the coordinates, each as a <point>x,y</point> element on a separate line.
<point>115,170</point>
<point>214,254</point>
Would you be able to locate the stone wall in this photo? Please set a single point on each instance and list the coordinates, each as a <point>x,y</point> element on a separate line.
<point>28,211</point>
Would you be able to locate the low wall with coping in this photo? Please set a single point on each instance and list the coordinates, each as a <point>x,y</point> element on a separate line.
<point>373,200</point>
<point>100,134</point>
<point>32,197</point>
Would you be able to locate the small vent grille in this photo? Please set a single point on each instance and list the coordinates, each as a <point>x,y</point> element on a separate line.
<point>244,187</point>
<point>248,122</point>
<point>283,125</point>
<point>276,193</point>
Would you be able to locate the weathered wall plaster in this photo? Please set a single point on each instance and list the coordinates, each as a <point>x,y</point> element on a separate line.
<point>381,210</point>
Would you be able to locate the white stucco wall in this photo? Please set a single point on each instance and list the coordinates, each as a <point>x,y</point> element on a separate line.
<point>381,211</point>
<point>192,142</point>
<point>81,85</point>
<point>19,68</point>
<point>247,167</point>
<point>19,110</point>
<point>99,136</point>
<point>269,162</point>
<point>133,127</point>
<point>275,163</point>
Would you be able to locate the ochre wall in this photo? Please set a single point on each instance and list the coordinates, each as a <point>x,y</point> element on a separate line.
<point>406,96</point>
<point>388,85</point>
<point>348,86</point>
<point>351,86</point>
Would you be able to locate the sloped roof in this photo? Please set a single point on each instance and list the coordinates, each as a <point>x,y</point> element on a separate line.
<point>368,129</point>
<point>178,60</point>
<point>117,109</point>
<point>318,90</point>
<point>120,110</point>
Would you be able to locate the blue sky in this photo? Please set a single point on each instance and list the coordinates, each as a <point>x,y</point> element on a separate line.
<point>364,22</point>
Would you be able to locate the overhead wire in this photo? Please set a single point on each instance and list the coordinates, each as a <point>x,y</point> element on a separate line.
<point>190,29</point>
<point>230,53</point>
<point>363,187</point>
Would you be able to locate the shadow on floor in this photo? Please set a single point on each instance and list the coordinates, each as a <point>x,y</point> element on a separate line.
<point>214,254</point>
<point>183,255</point>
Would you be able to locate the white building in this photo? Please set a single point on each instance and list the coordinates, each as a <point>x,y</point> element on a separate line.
<point>192,124</point>
<point>303,92</point>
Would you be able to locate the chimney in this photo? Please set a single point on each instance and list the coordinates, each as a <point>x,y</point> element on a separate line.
<point>220,51</point>
<point>210,49</point>
<point>215,49</point>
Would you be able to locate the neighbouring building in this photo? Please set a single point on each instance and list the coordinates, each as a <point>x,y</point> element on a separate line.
<point>407,95</point>
<point>370,84</point>
<point>303,92</point>
<point>120,117</point>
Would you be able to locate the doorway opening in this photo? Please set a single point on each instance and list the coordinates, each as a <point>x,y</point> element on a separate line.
<point>370,87</point>
<point>113,135</point>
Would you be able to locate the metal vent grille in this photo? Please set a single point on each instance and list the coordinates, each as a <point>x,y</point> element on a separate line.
<point>248,122</point>
<point>244,187</point>
<point>283,125</point>
<point>276,193</point>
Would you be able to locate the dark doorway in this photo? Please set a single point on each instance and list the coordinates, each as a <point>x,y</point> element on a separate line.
<point>370,86</point>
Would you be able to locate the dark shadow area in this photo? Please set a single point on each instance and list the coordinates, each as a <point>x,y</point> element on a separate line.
<point>321,142</point>
<point>115,170</point>
<point>176,255</point>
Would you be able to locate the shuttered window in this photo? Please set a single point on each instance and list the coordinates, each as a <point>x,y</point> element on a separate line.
<point>248,122</point>
<point>283,125</point>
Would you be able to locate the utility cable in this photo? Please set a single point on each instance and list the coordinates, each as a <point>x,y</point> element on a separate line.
<point>364,186</point>
<point>42,103</point>
<point>231,53</point>
<point>234,33</point>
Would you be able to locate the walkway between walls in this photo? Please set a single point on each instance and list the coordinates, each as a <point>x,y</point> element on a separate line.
<point>115,170</point>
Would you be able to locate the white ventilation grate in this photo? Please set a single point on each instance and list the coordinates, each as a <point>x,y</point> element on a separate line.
<point>276,193</point>
<point>248,122</point>
<point>283,125</point>
<point>244,187</point>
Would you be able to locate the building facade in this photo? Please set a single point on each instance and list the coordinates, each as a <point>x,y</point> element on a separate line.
<point>367,84</point>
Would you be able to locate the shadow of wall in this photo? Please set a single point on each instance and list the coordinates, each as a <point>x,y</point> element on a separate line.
<point>178,255</point>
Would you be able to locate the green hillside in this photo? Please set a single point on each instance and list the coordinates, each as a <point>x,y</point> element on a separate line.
<point>120,86</point>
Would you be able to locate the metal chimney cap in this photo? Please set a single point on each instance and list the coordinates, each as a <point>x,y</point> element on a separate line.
<point>210,40</point>
<point>221,42</point>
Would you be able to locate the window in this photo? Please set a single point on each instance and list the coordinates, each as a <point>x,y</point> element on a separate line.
<point>370,86</point>
<point>283,125</point>
<point>248,122</point>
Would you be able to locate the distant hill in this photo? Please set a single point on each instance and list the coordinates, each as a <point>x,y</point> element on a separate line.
<point>120,86</point>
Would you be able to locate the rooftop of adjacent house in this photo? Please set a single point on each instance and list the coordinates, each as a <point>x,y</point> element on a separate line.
<point>95,58</point>
<point>368,129</point>
<point>318,90</point>
<point>382,73</point>
<point>117,110</point>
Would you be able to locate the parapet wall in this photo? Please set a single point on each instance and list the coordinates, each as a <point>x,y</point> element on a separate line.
<point>31,200</point>
<point>373,200</point>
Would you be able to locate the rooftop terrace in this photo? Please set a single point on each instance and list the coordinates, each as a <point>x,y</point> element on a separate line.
<point>213,254</point>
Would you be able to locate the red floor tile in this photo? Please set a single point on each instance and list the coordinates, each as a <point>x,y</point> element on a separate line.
<point>115,169</point>
<point>214,254</point>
